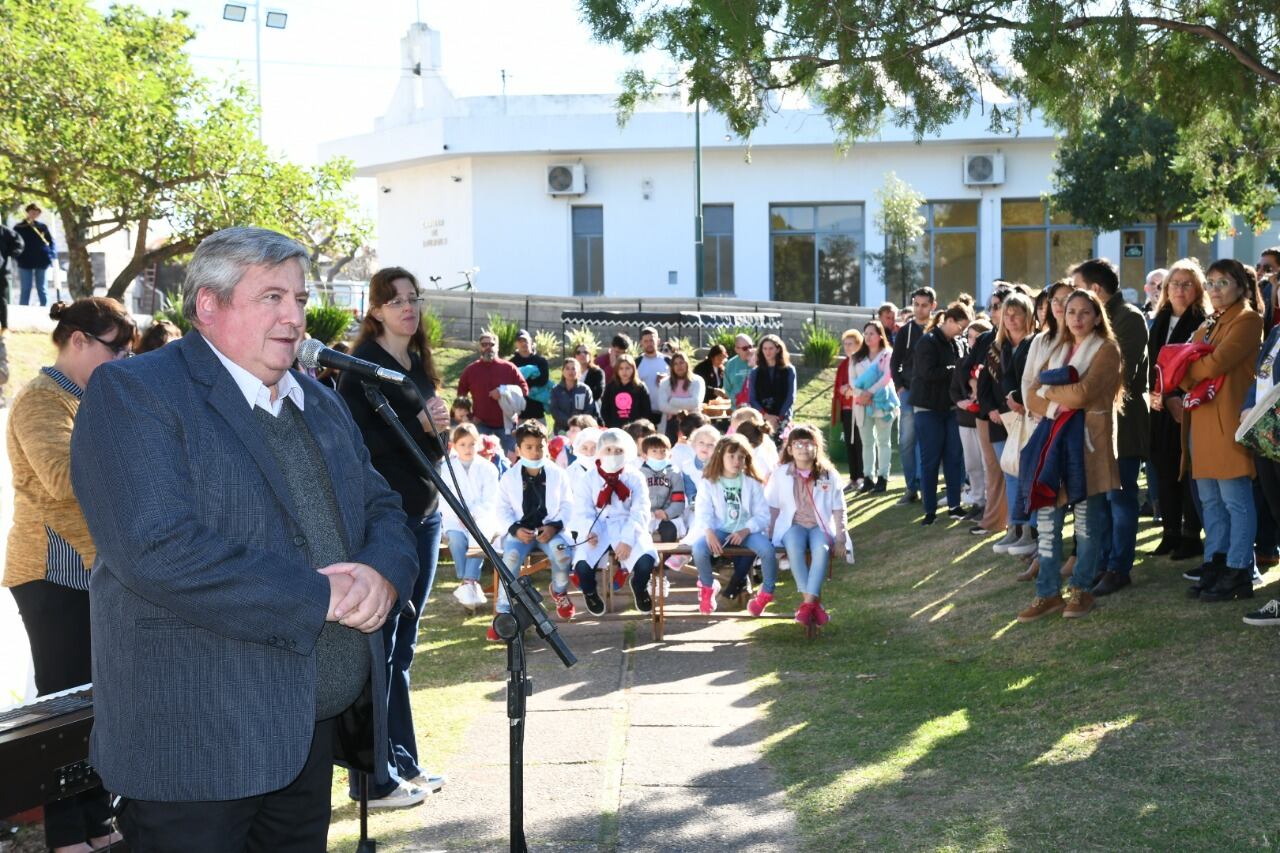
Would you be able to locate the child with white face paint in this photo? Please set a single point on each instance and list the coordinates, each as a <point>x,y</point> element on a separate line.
<point>611,511</point>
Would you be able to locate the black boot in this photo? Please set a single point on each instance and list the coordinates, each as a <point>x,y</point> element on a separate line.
<point>882,485</point>
<point>1166,546</point>
<point>1232,584</point>
<point>1206,576</point>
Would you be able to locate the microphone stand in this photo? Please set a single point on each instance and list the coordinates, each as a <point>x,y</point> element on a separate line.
<point>526,612</point>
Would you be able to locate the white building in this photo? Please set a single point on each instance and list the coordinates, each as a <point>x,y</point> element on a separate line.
<point>468,183</point>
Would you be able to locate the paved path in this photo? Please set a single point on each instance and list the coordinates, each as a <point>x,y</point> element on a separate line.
<point>639,747</point>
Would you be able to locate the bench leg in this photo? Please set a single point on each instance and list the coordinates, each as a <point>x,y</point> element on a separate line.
<point>658,612</point>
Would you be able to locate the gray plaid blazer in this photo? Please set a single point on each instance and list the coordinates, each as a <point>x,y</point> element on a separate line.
<point>205,610</point>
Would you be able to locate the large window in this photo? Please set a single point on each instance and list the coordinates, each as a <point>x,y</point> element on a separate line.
<point>817,253</point>
<point>947,253</point>
<point>1039,245</point>
<point>588,251</point>
<point>717,249</point>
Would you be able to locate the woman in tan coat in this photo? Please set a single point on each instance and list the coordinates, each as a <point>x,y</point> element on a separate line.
<point>50,550</point>
<point>1222,469</point>
<point>1087,344</point>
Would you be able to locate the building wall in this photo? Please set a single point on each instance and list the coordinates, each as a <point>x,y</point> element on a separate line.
<point>500,218</point>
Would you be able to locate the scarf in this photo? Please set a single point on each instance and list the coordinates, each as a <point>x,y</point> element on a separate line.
<point>613,485</point>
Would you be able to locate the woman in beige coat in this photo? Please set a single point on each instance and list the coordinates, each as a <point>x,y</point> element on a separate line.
<point>1222,469</point>
<point>1087,344</point>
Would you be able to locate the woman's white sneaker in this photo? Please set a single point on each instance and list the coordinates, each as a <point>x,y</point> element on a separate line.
<point>402,796</point>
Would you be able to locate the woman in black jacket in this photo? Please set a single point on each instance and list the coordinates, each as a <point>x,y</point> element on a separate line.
<point>391,336</point>
<point>626,398</point>
<point>999,393</point>
<point>1182,308</point>
<point>935,359</point>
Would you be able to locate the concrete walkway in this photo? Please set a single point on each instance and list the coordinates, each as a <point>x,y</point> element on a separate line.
<point>639,747</point>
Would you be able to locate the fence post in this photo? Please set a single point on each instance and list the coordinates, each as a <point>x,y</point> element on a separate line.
<point>526,313</point>
<point>471,322</point>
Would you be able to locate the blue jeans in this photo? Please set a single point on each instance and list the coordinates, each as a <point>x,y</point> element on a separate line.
<point>1010,489</point>
<point>939,440</point>
<point>29,277</point>
<point>514,553</point>
<point>1230,519</point>
<point>399,638</point>
<point>1119,537</point>
<point>467,568</point>
<point>1051,520</point>
<point>908,449</point>
<point>757,542</point>
<point>809,577</point>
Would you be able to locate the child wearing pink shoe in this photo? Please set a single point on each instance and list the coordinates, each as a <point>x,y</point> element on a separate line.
<point>731,510</point>
<point>806,496</point>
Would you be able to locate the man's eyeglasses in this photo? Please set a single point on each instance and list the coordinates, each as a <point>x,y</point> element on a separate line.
<point>401,302</point>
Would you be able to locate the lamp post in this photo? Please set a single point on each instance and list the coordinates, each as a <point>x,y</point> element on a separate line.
<point>275,19</point>
<point>698,271</point>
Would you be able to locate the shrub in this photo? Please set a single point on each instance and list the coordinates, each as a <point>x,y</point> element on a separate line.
<point>327,322</point>
<point>547,344</point>
<point>819,345</point>
<point>432,327</point>
<point>506,331</point>
<point>584,335</point>
<point>726,335</point>
<point>686,345</point>
<point>171,310</point>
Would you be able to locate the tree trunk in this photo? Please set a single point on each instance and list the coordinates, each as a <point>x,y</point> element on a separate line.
<point>141,260</point>
<point>1161,250</point>
<point>80,267</point>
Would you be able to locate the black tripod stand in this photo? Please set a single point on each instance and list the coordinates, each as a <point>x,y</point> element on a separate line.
<point>526,611</point>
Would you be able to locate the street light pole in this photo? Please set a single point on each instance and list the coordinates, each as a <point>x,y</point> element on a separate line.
<point>698,270</point>
<point>257,55</point>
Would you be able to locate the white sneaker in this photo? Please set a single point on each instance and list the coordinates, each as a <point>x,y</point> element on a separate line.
<point>463,595</point>
<point>478,598</point>
<point>403,796</point>
<point>429,781</point>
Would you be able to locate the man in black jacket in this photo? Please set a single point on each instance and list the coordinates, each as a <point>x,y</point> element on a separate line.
<point>1133,427</point>
<point>923,303</point>
<point>37,254</point>
<point>10,247</point>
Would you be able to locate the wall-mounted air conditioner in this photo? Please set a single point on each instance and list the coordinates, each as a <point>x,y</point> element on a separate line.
<point>566,179</point>
<point>983,170</point>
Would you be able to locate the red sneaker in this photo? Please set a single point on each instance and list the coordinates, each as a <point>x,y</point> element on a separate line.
<point>820,616</point>
<point>573,579</point>
<point>620,579</point>
<point>706,599</point>
<point>492,635</point>
<point>564,606</point>
<point>760,602</point>
<point>804,613</point>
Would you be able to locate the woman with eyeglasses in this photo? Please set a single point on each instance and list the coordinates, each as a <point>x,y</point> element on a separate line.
<point>1222,469</point>
<point>590,374</point>
<point>391,336</point>
<point>1181,309</point>
<point>50,549</point>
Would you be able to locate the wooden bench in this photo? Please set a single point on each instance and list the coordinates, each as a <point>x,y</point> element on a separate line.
<point>537,562</point>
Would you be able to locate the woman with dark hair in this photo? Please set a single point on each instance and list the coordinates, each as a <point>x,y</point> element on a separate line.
<point>772,383</point>
<point>589,373</point>
<point>626,398</point>
<point>680,393</point>
<point>935,358</point>
<point>1223,469</point>
<point>842,409</point>
<point>1081,380</point>
<point>50,550</point>
<point>711,369</point>
<point>391,336</point>
<point>1181,310</point>
<point>875,405</point>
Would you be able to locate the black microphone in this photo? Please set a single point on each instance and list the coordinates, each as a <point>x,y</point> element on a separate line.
<point>313,355</point>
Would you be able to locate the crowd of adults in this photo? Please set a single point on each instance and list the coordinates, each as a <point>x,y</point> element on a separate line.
<point>1039,406</point>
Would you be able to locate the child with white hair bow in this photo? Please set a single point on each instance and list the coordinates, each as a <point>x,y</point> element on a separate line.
<point>611,511</point>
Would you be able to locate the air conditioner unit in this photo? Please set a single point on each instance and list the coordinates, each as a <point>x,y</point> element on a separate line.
<point>983,170</point>
<point>566,179</point>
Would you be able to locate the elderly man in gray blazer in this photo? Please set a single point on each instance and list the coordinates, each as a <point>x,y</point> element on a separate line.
<point>248,554</point>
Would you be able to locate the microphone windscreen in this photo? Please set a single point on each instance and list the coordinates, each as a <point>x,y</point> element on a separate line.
<point>309,354</point>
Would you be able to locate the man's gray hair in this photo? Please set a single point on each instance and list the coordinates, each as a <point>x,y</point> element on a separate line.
<point>222,258</point>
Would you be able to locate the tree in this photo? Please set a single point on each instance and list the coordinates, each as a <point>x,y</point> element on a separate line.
<point>1209,66</point>
<point>902,224</point>
<point>103,117</point>
<point>1118,169</point>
